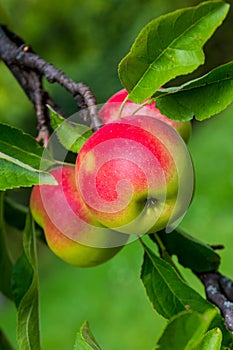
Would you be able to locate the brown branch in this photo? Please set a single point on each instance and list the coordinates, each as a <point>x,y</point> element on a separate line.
<point>227,285</point>
<point>219,291</point>
<point>218,288</point>
<point>81,93</point>
<point>29,69</point>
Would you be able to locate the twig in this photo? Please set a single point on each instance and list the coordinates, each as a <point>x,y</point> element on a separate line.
<point>219,292</point>
<point>218,288</point>
<point>29,69</point>
<point>217,246</point>
<point>226,285</point>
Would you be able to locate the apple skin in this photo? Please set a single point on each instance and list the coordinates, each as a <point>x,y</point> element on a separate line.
<point>110,112</point>
<point>135,175</point>
<point>70,230</point>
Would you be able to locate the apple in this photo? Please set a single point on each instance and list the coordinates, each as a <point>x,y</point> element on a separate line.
<point>70,230</point>
<point>111,109</point>
<point>135,175</point>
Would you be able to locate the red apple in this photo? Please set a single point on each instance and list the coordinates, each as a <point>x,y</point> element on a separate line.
<point>135,175</point>
<point>111,109</point>
<point>70,230</point>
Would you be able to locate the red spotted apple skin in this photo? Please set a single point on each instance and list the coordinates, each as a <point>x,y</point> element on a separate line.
<point>111,109</point>
<point>135,175</point>
<point>70,230</point>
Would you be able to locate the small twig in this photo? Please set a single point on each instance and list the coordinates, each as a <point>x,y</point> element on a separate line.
<point>217,246</point>
<point>218,289</point>
<point>226,285</point>
<point>83,96</point>
<point>29,69</point>
<point>30,81</point>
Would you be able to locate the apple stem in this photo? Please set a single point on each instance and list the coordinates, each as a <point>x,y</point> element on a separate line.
<point>29,69</point>
<point>141,106</point>
<point>122,107</point>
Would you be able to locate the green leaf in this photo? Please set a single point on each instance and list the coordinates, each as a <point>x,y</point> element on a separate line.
<point>4,342</point>
<point>5,259</point>
<point>26,291</point>
<point>15,210</point>
<point>168,293</point>
<point>20,160</point>
<point>22,278</point>
<point>212,340</point>
<point>200,98</point>
<point>169,46</point>
<point>17,144</point>
<point>85,340</point>
<point>71,135</point>
<point>185,330</point>
<point>190,251</point>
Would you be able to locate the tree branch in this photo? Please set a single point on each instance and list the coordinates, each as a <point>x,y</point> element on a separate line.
<point>219,291</point>
<point>29,69</point>
<point>218,288</point>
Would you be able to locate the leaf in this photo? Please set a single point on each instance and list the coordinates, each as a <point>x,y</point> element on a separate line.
<point>190,251</point>
<point>4,342</point>
<point>14,142</point>
<point>15,210</point>
<point>169,46</point>
<point>20,160</point>
<point>185,330</point>
<point>5,259</point>
<point>26,291</point>
<point>71,135</point>
<point>212,340</point>
<point>85,340</point>
<point>168,293</point>
<point>200,98</point>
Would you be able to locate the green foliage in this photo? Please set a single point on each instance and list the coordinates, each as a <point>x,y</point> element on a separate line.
<point>21,268</point>
<point>85,340</point>
<point>190,251</point>
<point>70,134</point>
<point>20,154</point>
<point>26,291</point>
<point>200,98</point>
<point>14,210</point>
<point>79,23</point>
<point>212,340</point>
<point>185,330</point>
<point>4,342</point>
<point>166,290</point>
<point>169,46</point>
<point>5,259</point>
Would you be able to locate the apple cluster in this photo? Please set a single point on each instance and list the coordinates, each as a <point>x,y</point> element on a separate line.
<point>133,176</point>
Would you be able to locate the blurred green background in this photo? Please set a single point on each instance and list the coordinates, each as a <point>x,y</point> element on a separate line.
<point>87,40</point>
